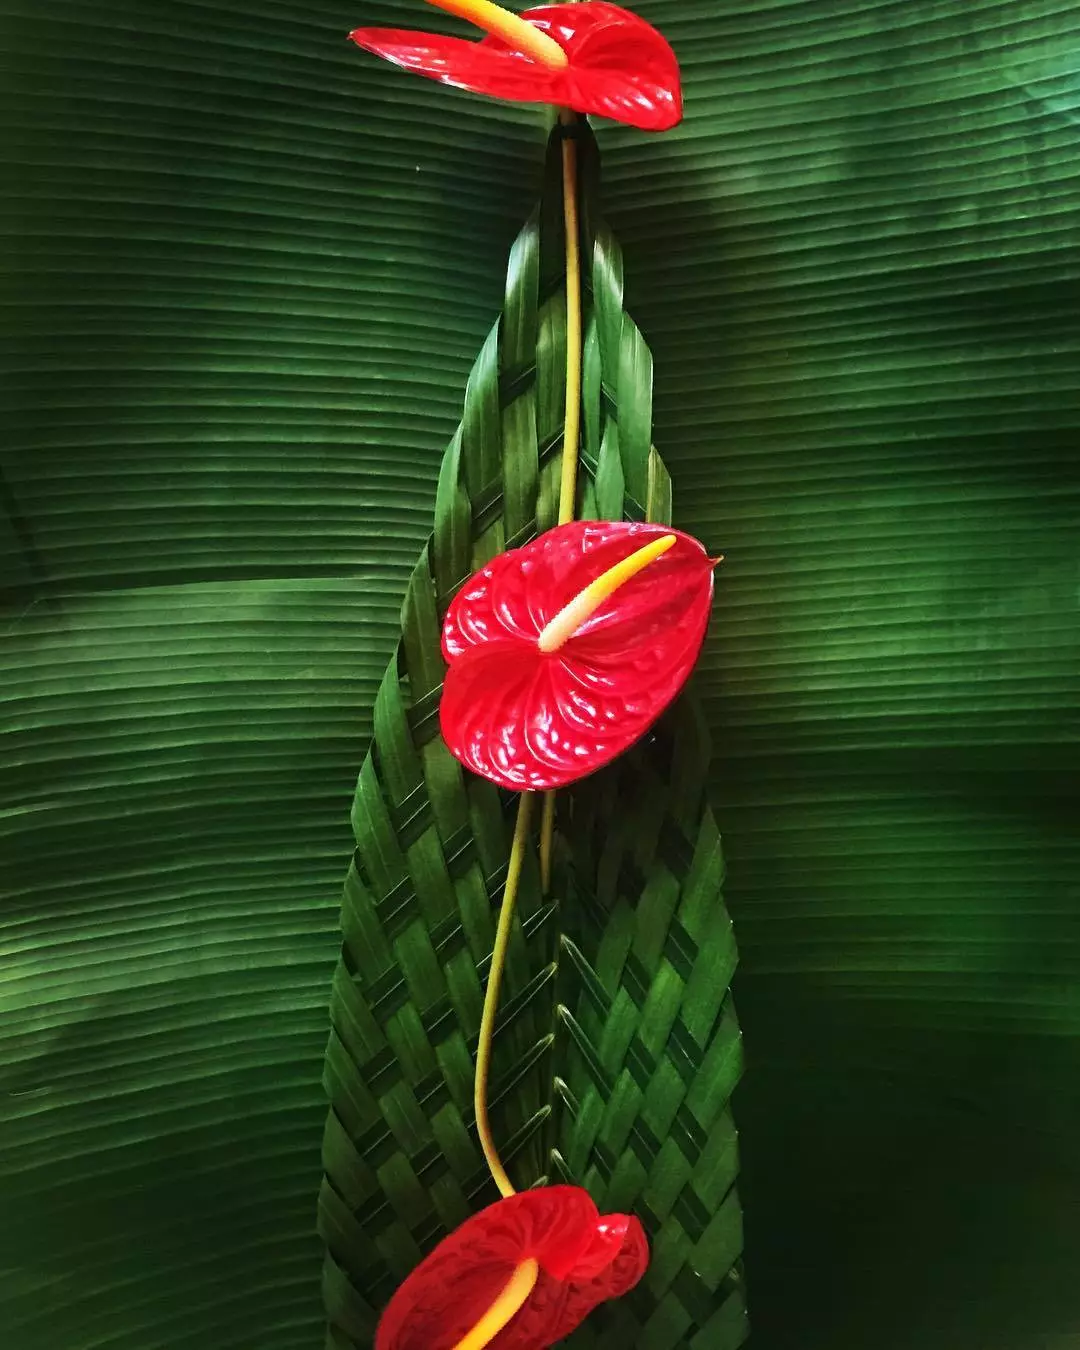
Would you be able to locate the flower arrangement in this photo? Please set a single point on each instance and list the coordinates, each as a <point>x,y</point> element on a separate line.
<point>557,655</point>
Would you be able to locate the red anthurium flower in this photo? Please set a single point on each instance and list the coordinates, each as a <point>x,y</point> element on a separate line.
<point>520,1275</point>
<point>531,711</point>
<point>616,66</point>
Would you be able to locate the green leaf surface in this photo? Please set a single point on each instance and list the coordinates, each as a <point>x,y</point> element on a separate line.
<point>617,1048</point>
<point>245,275</point>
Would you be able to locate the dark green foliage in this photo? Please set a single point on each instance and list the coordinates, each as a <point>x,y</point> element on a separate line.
<point>617,1049</point>
<point>245,272</point>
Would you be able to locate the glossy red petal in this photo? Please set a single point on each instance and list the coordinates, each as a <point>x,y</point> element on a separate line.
<point>605,1247</point>
<point>530,720</point>
<point>619,65</point>
<point>519,592</point>
<point>450,1290</point>
<point>486,67</point>
<point>557,1308</point>
<point>625,1271</point>
<point>526,724</point>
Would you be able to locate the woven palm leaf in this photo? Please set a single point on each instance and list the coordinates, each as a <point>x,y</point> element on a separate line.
<point>617,1048</point>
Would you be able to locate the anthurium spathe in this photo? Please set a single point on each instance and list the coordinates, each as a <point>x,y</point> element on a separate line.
<point>519,1275</point>
<point>597,58</point>
<point>545,686</point>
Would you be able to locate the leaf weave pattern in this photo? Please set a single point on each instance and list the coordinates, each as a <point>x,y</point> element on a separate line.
<point>617,1047</point>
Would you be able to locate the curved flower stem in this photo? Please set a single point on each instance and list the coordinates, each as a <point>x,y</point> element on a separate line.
<point>572,423</point>
<point>547,839</point>
<point>491,997</point>
<point>567,497</point>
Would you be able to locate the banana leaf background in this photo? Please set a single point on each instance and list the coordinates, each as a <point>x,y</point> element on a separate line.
<point>246,273</point>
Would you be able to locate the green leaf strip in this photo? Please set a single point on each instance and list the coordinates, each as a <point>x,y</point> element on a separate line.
<point>616,1047</point>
